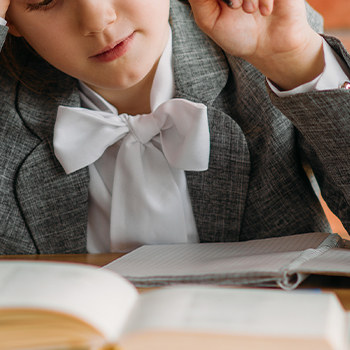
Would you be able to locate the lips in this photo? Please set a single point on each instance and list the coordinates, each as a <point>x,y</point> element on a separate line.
<point>114,51</point>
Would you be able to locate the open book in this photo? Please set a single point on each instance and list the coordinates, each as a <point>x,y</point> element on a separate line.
<point>285,261</point>
<point>69,306</point>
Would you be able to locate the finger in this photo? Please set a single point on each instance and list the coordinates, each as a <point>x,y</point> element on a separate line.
<point>266,7</point>
<point>205,12</point>
<point>4,4</point>
<point>204,7</point>
<point>235,4</point>
<point>250,6</point>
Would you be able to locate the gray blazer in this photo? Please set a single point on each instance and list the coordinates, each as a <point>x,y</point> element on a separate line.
<point>255,187</point>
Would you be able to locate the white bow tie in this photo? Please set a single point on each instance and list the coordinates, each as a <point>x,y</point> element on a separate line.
<point>145,199</point>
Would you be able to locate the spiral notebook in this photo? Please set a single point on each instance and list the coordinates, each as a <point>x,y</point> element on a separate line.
<point>283,261</point>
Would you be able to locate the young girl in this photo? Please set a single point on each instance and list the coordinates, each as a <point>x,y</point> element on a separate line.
<point>122,123</point>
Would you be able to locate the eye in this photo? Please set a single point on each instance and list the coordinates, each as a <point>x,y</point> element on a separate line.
<point>42,5</point>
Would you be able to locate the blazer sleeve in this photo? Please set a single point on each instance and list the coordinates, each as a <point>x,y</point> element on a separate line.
<point>323,121</point>
<point>3,34</point>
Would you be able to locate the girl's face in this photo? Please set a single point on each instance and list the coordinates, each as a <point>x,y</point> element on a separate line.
<point>108,44</point>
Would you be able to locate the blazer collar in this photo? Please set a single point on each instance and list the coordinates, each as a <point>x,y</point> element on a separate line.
<point>203,82</point>
<point>51,202</point>
<point>219,194</point>
<point>38,109</point>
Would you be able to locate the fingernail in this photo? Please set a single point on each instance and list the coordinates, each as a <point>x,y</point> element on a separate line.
<point>264,10</point>
<point>249,7</point>
<point>235,4</point>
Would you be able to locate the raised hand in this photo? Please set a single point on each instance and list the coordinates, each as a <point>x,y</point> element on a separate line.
<point>273,35</point>
<point>4,5</point>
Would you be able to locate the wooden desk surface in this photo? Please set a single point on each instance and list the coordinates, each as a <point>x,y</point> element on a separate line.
<point>90,259</point>
<point>338,285</point>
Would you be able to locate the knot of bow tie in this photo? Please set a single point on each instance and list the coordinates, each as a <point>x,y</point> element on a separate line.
<point>146,201</point>
<point>82,135</point>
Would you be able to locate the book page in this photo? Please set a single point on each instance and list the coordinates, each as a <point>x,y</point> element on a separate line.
<point>240,312</point>
<point>257,261</point>
<point>99,297</point>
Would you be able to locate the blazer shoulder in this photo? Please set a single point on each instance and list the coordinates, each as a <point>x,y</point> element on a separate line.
<point>3,34</point>
<point>315,19</point>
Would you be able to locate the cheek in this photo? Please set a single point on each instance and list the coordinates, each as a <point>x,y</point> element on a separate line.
<point>48,44</point>
<point>47,49</point>
<point>42,32</point>
<point>151,12</point>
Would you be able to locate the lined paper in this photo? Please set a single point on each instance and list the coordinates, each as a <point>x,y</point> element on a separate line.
<point>251,262</point>
<point>334,261</point>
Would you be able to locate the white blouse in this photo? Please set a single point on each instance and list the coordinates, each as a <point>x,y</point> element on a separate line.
<point>102,171</point>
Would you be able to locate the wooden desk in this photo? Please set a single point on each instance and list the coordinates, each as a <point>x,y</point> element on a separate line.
<point>90,259</point>
<point>339,285</point>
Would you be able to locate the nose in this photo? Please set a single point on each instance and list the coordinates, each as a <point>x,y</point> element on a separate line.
<point>95,16</point>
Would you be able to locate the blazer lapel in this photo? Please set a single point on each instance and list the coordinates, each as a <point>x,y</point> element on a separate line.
<point>218,194</point>
<point>200,67</point>
<point>51,202</point>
